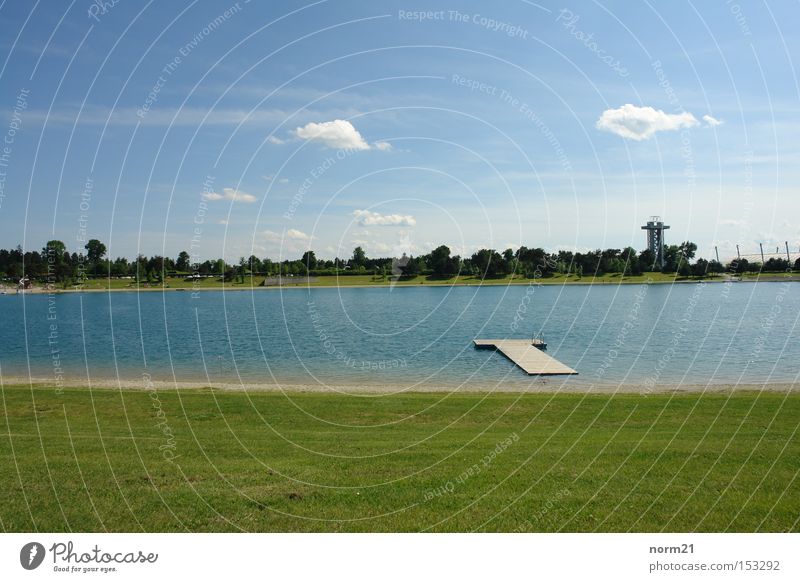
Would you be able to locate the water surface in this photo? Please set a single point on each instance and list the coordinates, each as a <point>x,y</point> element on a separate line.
<point>407,337</point>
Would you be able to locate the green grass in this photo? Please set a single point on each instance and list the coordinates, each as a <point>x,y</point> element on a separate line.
<point>377,281</point>
<point>90,461</point>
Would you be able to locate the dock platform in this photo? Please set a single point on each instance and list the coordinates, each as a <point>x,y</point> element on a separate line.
<point>527,356</point>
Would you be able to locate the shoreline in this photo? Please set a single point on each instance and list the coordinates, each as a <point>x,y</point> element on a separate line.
<point>535,387</point>
<point>510,283</point>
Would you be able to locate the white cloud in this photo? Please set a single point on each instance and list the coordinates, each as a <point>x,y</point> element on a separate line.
<point>287,245</point>
<point>639,123</point>
<point>711,121</point>
<point>230,194</point>
<point>297,235</point>
<point>291,235</point>
<point>338,134</point>
<point>367,218</point>
<point>275,140</point>
<point>271,178</point>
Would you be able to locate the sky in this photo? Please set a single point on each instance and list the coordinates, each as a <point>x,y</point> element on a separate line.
<point>270,128</point>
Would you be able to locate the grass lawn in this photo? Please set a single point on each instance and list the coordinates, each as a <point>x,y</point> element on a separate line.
<point>377,281</point>
<point>100,460</point>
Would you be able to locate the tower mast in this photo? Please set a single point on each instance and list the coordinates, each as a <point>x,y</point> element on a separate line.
<point>655,228</point>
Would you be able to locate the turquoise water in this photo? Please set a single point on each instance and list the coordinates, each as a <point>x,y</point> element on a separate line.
<point>674,334</point>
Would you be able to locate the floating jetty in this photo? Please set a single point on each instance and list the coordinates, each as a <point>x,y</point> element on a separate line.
<point>528,355</point>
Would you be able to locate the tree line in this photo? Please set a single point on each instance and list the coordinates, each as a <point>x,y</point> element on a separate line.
<point>56,264</point>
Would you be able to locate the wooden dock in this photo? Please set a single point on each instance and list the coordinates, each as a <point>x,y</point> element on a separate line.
<point>527,356</point>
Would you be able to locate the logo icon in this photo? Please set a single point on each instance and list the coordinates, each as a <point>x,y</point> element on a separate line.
<point>31,555</point>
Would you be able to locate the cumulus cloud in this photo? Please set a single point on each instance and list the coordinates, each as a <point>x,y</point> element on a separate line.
<point>367,218</point>
<point>291,234</point>
<point>230,194</point>
<point>640,123</point>
<point>297,235</point>
<point>289,243</point>
<point>274,140</point>
<point>711,121</point>
<point>338,134</point>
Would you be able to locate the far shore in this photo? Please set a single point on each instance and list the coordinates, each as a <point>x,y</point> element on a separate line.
<point>337,284</point>
<point>552,385</point>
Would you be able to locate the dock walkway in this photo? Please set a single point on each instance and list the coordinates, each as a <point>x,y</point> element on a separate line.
<point>527,356</point>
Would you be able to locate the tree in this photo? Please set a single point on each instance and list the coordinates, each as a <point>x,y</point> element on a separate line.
<point>267,266</point>
<point>57,260</point>
<point>488,263</point>
<point>440,262</point>
<point>183,262</point>
<point>677,257</point>
<point>715,267</point>
<point>776,264</point>
<point>412,268</point>
<point>631,264</point>
<point>647,260</point>
<point>687,249</point>
<point>590,262</point>
<point>141,268</point>
<point>309,259</point>
<point>700,268</point>
<point>95,250</point>
<point>739,266</point>
<point>672,257</point>
<point>255,264</point>
<point>686,252</point>
<point>53,246</point>
<point>536,263</point>
<point>359,258</point>
<point>242,269</point>
<point>155,269</point>
<point>120,267</point>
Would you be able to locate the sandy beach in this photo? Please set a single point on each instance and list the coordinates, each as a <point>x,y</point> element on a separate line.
<point>537,386</point>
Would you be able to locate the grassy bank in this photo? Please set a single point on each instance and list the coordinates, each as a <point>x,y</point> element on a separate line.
<point>176,283</point>
<point>103,460</point>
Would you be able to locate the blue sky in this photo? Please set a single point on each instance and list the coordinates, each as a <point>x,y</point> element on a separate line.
<point>231,129</point>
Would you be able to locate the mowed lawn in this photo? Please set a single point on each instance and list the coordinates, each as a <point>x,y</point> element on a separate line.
<point>254,283</point>
<point>103,460</point>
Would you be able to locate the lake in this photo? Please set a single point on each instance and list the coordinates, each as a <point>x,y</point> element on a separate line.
<point>409,337</point>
